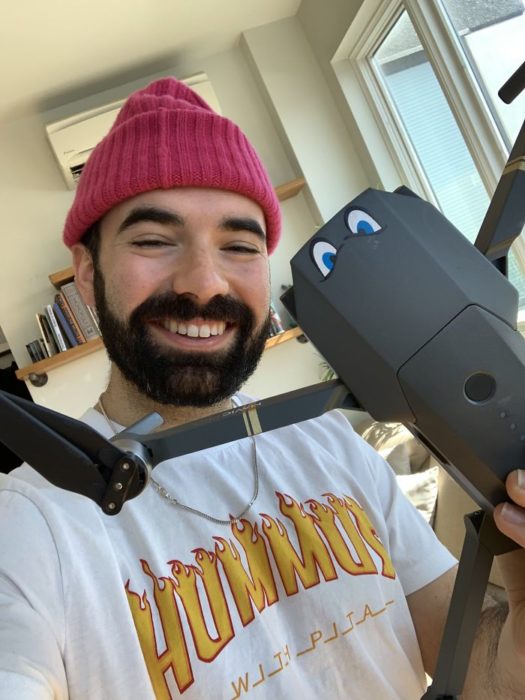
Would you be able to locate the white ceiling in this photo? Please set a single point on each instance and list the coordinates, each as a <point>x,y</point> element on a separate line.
<point>56,47</point>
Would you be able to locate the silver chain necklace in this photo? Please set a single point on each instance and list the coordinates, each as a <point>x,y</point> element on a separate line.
<point>165,494</point>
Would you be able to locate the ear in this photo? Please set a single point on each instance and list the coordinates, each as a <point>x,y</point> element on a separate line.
<point>84,271</point>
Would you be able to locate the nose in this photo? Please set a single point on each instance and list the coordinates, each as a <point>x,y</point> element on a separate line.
<point>199,274</point>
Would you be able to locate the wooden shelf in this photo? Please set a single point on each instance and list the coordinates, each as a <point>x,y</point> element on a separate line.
<point>57,279</point>
<point>282,337</point>
<point>290,189</point>
<point>61,277</point>
<point>61,358</point>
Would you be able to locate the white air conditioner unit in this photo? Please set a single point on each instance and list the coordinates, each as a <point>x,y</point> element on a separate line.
<point>72,139</point>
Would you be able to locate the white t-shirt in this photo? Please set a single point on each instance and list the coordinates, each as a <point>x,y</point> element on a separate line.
<point>305,597</point>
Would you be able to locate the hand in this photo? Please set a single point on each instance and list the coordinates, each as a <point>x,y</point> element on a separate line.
<point>510,517</point>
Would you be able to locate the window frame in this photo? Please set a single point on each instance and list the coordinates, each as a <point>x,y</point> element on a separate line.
<point>376,115</point>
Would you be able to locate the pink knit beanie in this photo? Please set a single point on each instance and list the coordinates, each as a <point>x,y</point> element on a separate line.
<point>167,136</point>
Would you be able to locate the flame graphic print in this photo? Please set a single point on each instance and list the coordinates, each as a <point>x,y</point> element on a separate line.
<point>228,585</point>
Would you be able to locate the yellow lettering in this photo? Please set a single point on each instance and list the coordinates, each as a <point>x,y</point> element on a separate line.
<point>334,636</point>
<point>314,555</point>
<point>256,587</point>
<point>339,531</point>
<point>365,527</point>
<point>176,654</point>
<point>315,637</point>
<point>368,612</point>
<point>281,666</point>
<point>186,579</point>
<point>325,519</point>
<point>349,629</point>
<point>261,677</point>
<point>242,685</point>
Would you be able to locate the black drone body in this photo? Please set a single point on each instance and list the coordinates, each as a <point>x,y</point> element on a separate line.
<point>421,328</point>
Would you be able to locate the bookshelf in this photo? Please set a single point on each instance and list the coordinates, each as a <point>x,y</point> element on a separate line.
<point>61,277</point>
<point>37,371</point>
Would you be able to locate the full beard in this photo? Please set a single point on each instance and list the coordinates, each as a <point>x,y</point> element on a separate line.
<point>171,376</point>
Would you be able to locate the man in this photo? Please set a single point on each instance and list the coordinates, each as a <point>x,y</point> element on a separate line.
<point>286,565</point>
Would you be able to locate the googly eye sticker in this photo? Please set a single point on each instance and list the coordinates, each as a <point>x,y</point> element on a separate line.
<point>361,223</point>
<point>324,255</point>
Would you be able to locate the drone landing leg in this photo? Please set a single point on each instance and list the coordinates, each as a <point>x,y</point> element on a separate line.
<point>482,542</point>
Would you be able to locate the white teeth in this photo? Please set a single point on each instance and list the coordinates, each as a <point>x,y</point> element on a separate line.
<point>193,330</point>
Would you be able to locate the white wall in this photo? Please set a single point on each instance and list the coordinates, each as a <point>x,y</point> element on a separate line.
<point>307,113</point>
<point>326,23</point>
<point>255,85</point>
<point>283,368</point>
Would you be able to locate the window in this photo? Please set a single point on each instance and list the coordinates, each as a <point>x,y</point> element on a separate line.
<point>491,37</point>
<point>430,126</point>
<point>431,72</point>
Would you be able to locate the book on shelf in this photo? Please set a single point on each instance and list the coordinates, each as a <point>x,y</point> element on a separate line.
<point>47,335</point>
<point>61,300</point>
<point>55,329</point>
<point>43,349</point>
<point>94,316</point>
<point>35,351</point>
<point>67,331</point>
<point>30,352</point>
<point>276,325</point>
<point>80,310</point>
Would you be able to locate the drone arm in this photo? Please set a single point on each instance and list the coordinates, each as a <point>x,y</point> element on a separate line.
<point>513,86</point>
<point>73,456</point>
<point>36,441</point>
<point>69,453</point>
<point>505,216</point>
<point>251,419</point>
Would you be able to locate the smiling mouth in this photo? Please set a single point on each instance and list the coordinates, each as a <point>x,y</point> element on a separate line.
<point>195,328</point>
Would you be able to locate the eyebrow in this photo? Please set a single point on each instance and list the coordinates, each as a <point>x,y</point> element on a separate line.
<point>234,223</point>
<point>164,216</point>
<point>159,216</point>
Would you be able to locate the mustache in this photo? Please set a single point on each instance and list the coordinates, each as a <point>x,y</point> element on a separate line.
<point>183,307</point>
